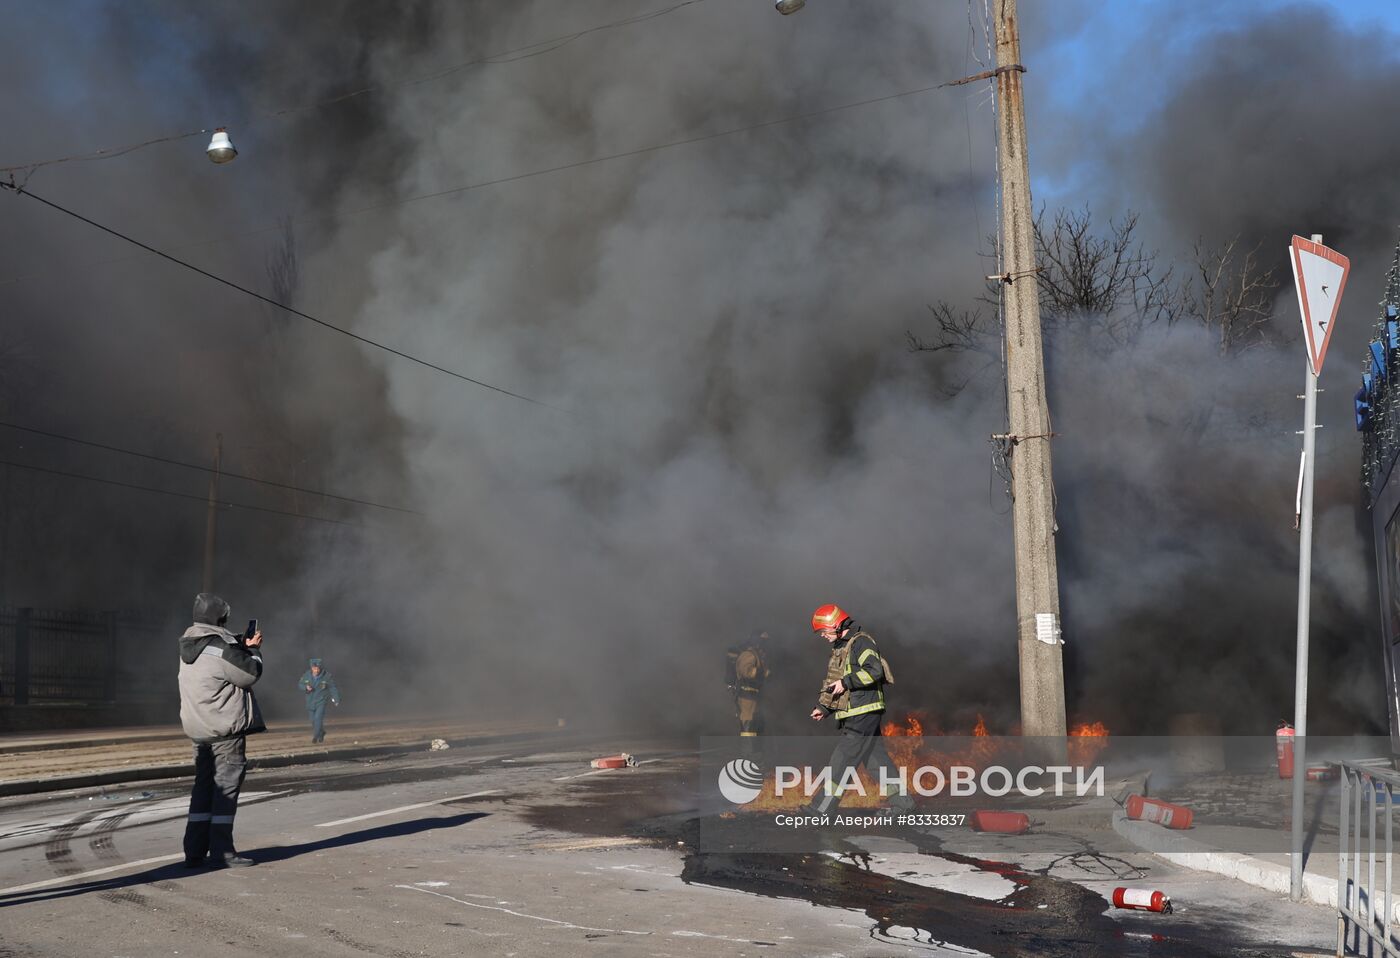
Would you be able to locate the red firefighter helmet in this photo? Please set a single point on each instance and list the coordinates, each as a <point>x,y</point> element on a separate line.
<point>829,617</point>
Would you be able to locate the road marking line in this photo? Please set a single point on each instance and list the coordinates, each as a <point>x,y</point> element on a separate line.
<point>521,914</point>
<point>69,879</point>
<point>406,808</point>
<point>600,771</point>
<point>578,845</point>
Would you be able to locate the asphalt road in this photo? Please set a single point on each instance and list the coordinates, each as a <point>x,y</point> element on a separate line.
<point>522,850</point>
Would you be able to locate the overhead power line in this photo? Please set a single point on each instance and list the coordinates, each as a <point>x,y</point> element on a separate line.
<point>167,492</point>
<point>512,178</point>
<point>538,48</point>
<point>224,473</point>
<point>269,300</point>
<point>655,148</point>
<point>105,154</point>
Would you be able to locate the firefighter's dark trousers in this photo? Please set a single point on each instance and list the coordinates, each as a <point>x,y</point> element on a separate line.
<point>317,714</point>
<point>218,776</point>
<point>860,743</point>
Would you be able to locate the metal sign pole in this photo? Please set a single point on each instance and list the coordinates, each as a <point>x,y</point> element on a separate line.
<point>1300,690</point>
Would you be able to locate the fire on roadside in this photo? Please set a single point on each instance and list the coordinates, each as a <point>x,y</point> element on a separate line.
<point>913,742</point>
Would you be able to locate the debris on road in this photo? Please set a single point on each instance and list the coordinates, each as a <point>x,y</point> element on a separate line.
<point>620,760</point>
<point>1142,899</point>
<point>1162,813</point>
<point>438,745</point>
<point>107,796</point>
<point>1005,823</point>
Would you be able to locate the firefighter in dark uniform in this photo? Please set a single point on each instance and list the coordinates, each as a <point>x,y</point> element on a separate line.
<point>853,693</point>
<point>748,670</point>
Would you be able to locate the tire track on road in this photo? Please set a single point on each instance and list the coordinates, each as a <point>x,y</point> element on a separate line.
<point>58,850</point>
<point>102,845</point>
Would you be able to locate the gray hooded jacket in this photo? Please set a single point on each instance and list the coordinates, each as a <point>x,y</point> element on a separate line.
<point>216,684</point>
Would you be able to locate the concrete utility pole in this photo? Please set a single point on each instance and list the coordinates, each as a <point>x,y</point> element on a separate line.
<point>211,522</point>
<point>1032,489</point>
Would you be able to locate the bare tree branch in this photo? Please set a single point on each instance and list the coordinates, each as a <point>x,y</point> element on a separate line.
<point>1231,294</point>
<point>959,331</point>
<point>1105,287</point>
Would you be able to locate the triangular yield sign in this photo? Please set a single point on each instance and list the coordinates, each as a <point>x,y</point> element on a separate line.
<point>1320,275</point>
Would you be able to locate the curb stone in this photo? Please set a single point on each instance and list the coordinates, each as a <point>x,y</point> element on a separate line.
<point>1189,853</point>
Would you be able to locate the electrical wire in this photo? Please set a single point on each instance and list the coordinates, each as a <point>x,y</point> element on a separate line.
<point>640,151</point>
<point>538,48</point>
<point>513,178</point>
<point>104,154</point>
<point>224,473</point>
<point>272,302</point>
<point>167,492</point>
<point>1001,451</point>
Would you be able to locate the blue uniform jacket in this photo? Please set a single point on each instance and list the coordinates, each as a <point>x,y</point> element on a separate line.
<point>322,689</point>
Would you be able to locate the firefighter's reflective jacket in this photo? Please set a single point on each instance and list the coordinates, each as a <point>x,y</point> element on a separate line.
<point>857,663</point>
<point>745,670</point>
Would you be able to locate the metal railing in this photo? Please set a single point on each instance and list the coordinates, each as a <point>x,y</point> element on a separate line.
<point>82,657</point>
<point>1364,914</point>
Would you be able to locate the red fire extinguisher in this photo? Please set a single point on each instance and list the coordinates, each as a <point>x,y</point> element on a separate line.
<point>1007,823</point>
<point>1284,740</point>
<point>1166,814</point>
<point>1142,899</point>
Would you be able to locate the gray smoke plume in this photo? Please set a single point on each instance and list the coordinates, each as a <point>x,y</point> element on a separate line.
<point>1265,127</point>
<point>732,431</point>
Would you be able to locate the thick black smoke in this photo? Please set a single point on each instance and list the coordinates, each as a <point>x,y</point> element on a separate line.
<point>734,432</point>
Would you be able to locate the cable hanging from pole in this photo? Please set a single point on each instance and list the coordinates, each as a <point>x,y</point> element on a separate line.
<point>272,302</point>
<point>168,492</point>
<point>202,468</point>
<point>535,49</point>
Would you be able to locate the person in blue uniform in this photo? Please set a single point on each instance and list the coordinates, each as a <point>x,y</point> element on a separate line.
<point>319,686</point>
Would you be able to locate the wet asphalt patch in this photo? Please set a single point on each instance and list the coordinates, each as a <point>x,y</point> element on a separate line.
<point>1043,917</point>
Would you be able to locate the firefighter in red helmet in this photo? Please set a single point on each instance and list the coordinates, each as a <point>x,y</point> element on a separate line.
<point>853,692</point>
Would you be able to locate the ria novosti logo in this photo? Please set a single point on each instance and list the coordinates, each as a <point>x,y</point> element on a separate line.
<point>741,781</point>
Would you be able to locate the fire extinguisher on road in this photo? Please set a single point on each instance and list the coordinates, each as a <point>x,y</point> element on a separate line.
<point>1142,899</point>
<point>1284,740</point>
<point>1155,810</point>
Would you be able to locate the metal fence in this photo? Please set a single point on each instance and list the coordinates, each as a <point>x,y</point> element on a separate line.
<point>1365,908</point>
<point>83,657</point>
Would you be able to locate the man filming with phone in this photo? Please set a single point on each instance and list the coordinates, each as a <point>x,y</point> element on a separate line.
<point>218,710</point>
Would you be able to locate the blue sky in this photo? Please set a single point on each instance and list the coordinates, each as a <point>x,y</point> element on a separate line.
<point>1075,62</point>
<point>1117,61</point>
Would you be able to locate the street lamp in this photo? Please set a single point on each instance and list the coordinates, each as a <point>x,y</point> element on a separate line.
<point>789,6</point>
<point>220,148</point>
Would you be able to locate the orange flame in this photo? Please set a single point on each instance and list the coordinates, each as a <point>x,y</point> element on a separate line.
<point>912,743</point>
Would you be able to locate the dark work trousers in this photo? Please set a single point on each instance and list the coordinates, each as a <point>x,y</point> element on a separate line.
<point>317,713</point>
<point>218,776</point>
<point>860,743</point>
